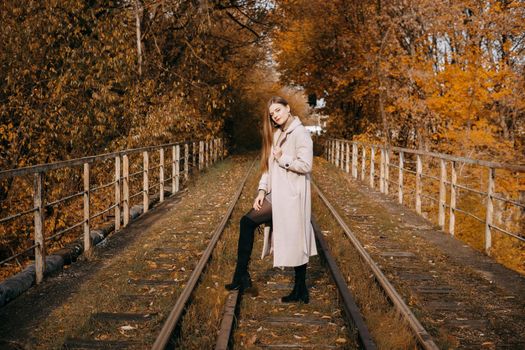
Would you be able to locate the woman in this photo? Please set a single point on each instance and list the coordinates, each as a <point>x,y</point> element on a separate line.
<point>283,200</point>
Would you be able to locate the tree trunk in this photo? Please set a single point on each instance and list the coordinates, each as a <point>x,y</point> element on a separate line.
<point>138,16</point>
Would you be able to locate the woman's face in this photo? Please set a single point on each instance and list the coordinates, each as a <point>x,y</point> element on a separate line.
<point>279,113</point>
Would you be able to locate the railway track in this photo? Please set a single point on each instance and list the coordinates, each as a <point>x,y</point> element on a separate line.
<point>358,335</point>
<point>463,298</point>
<point>357,327</point>
<point>168,267</point>
<point>423,337</point>
<point>332,320</point>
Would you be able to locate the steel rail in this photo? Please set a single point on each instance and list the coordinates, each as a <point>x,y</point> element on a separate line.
<point>471,190</point>
<point>78,161</point>
<point>59,233</point>
<point>228,318</point>
<point>470,214</point>
<point>176,313</point>
<point>516,203</point>
<point>429,197</point>
<point>349,305</point>
<point>94,189</point>
<point>420,332</point>
<point>58,201</point>
<point>102,212</point>
<point>521,238</point>
<point>485,163</point>
<point>19,254</point>
<point>135,174</point>
<point>136,194</point>
<point>430,177</point>
<point>14,216</point>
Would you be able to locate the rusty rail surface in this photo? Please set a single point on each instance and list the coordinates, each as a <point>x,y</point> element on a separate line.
<point>350,307</point>
<point>178,310</point>
<point>423,337</point>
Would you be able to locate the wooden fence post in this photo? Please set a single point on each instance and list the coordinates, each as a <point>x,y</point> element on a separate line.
<point>125,188</point>
<point>452,215</point>
<point>145,183</point>
<point>87,220</point>
<point>442,194</point>
<point>213,150</point>
<point>175,169</point>
<point>372,165</point>
<point>382,171</point>
<point>489,210</point>
<point>342,157</point>
<point>208,153</point>
<point>337,153</point>
<point>201,154</point>
<point>215,147</point>
<point>186,159</point>
<point>354,160</point>
<point>387,170</point>
<point>194,157</point>
<point>40,249</point>
<point>400,178</point>
<point>347,157</point>
<point>419,170</point>
<point>363,163</point>
<point>332,151</point>
<point>117,193</point>
<point>205,155</point>
<point>161,175</point>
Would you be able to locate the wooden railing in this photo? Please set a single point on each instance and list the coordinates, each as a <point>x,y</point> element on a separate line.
<point>349,155</point>
<point>198,155</point>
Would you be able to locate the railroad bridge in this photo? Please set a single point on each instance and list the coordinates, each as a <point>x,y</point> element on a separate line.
<point>413,247</point>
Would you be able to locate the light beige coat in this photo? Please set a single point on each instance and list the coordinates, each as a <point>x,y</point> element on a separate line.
<point>288,181</point>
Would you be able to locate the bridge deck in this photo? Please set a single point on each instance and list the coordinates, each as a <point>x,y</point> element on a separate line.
<point>462,297</point>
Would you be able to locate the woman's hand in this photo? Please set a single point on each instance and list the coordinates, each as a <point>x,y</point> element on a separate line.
<point>277,152</point>
<point>257,204</point>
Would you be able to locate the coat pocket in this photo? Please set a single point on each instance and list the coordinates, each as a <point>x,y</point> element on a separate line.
<point>294,181</point>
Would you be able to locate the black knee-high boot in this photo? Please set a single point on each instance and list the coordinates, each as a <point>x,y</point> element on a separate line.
<point>241,278</point>
<point>300,291</point>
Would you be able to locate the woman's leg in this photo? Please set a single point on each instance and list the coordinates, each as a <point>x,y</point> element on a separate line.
<point>248,224</point>
<point>300,291</point>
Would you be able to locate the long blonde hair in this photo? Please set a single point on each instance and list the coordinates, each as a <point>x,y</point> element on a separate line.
<point>267,132</point>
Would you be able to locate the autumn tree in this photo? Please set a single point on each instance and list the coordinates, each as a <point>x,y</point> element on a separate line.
<point>420,74</point>
<point>85,77</point>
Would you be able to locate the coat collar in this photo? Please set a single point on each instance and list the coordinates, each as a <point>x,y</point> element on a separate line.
<point>295,123</point>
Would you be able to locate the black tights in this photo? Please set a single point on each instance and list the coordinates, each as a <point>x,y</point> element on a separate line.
<point>248,224</point>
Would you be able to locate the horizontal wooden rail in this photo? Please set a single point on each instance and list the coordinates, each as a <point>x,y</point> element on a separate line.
<point>339,152</point>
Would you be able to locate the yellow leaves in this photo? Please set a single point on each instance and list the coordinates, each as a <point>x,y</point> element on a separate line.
<point>390,109</point>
